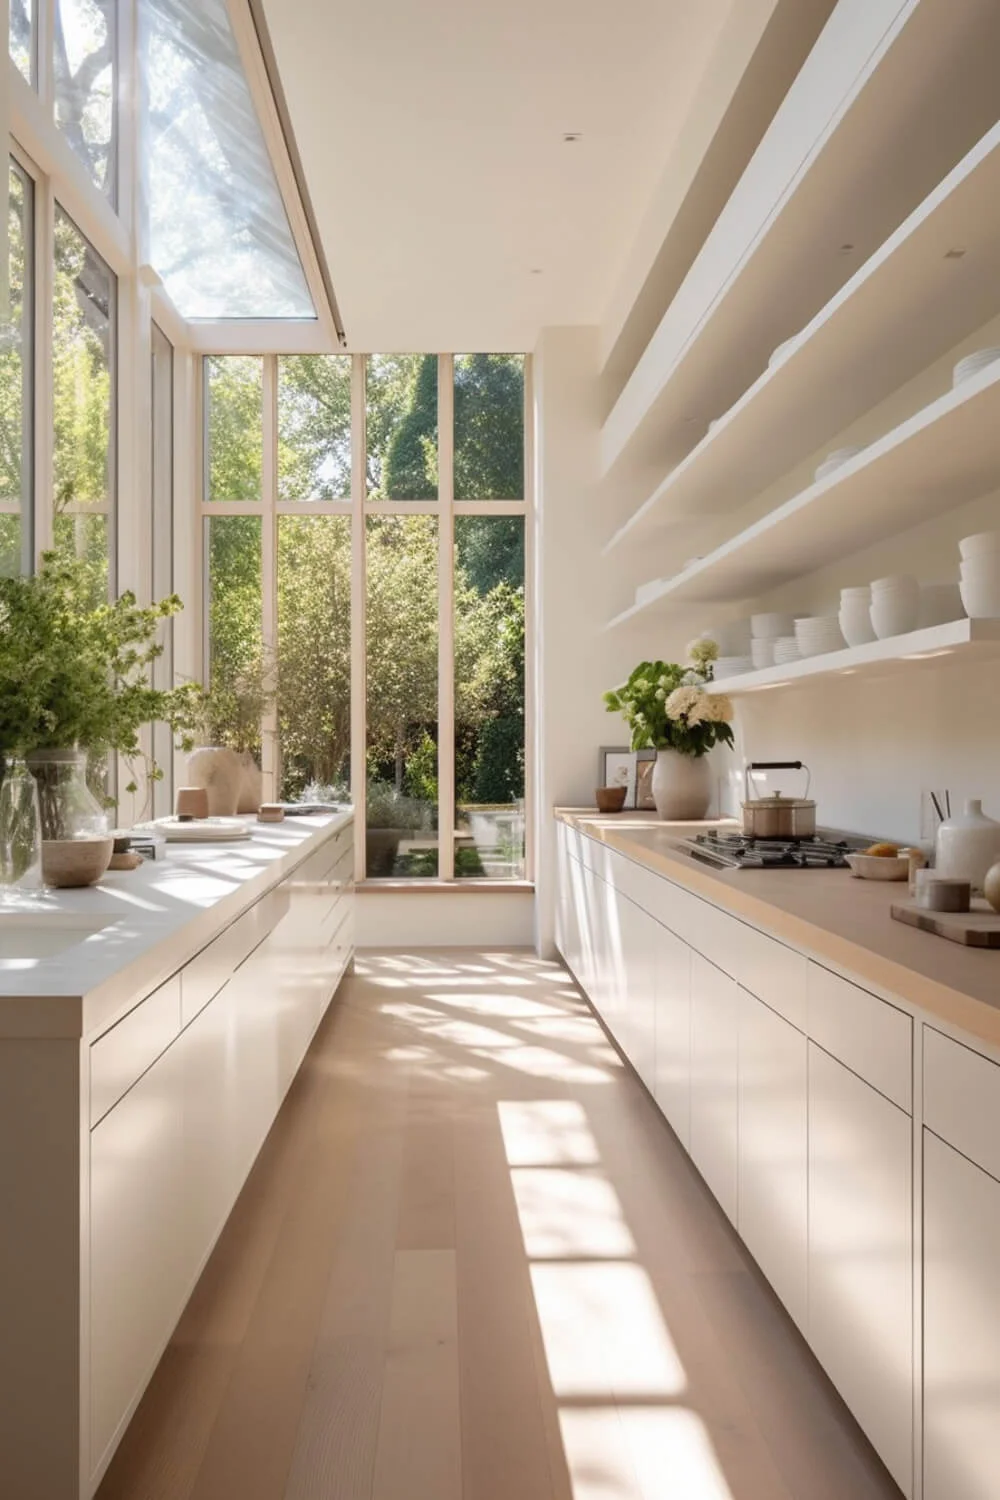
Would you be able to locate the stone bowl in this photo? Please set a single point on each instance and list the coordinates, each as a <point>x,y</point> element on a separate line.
<point>611,799</point>
<point>70,863</point>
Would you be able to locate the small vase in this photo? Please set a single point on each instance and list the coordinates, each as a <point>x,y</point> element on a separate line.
<point>967,846</point>
<point>682,786</point>
<point>20,831</point>
<point>220,771</point>
<point>76,845</point>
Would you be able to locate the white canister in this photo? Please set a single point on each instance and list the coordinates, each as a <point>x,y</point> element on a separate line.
<point>967,846</point>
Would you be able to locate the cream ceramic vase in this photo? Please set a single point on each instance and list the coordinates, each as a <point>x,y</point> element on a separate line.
<point>968,846</point>
<point>681,786</point>
<point>220,772</point>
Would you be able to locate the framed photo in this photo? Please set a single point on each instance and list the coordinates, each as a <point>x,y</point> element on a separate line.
<point>616,766</point>
<point>645,760</point>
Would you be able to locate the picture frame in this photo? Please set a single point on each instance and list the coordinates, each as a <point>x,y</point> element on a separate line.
<point>616,766</point>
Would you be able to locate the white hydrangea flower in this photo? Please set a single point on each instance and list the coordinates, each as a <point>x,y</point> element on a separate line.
<point>700,712</point>
<point>692,679</point>
<point>703,649</point>
<point>660,694</point>
<point>721,709</point>
<point>681,701</point>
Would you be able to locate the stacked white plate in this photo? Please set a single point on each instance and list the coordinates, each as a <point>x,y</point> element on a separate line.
<point>895,605</point>
<point>762,651</point>
<point>733,666</point>
<point>980,586</point>
<point>835,460</point>
<point>817,634</point>
<point>768,627</point>
<point>972,364</point>
<point>786,649</point>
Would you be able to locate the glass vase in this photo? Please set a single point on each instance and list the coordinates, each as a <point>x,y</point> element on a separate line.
<point>69,809</point>
<point>20,832</point>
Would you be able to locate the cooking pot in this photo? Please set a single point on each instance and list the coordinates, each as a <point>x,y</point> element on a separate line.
<point>777,816</point>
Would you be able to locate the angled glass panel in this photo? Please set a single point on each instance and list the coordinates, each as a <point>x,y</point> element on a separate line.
<point>85,73</point>
<point>23,50</point>
<point>218,233</point>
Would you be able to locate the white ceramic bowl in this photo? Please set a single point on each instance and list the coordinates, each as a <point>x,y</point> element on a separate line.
<point>972,364</point>
<point>896,583</point>
<point>986,565</point>
<point>894,617</point>
<point>981,600</point>
<point>762,651</point>
<point>834,461</point>
<point>768,627</point>
<point>878,867</point>
<point>939,603</point>
<point>984,542</point>
<point>855,621</point>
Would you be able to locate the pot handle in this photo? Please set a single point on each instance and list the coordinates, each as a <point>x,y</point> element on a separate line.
<point>775,765</point>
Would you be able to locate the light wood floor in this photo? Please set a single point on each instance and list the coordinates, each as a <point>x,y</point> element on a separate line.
<point>472,1263</point>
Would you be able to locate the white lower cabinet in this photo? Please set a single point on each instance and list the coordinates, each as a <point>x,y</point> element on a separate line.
<point>861,1254</point>
<point>672,1077</point>
<point>773,1080</point>
<point>139,1243</point>
<point>636,1017</point>
<point>961,1327</point>
<point>714,1080</point>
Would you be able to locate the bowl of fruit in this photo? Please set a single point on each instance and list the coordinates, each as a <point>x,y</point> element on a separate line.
<point>880,862</point>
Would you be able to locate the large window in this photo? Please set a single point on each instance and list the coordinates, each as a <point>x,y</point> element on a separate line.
<point>85,72</point>
<point>161,531</point>
<point>83,359</point>
<point>16,386</point>
<point>319,522</point>
<point>23,49</point>
<point>219,234</point>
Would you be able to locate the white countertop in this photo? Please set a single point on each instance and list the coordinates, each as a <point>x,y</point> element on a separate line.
<point>157,917</point>
<point>827,914</point>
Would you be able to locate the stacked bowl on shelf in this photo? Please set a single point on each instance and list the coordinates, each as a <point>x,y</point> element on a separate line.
<point>980,575</point>
<point>895,605</point>
<point>765,630</point>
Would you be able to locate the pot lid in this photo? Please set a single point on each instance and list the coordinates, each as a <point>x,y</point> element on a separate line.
<point>777,800</point>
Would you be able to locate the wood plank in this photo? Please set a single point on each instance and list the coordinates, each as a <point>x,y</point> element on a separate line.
<point>419,1440</point>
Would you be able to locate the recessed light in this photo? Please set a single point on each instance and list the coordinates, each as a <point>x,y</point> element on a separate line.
<point>536,270</point>
<point>955,254</point>
<point>846,249</point>
<point>572,135</point>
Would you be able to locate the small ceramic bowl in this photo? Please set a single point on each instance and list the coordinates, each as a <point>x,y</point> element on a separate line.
<point>878,867</point>
<point>611,799</point>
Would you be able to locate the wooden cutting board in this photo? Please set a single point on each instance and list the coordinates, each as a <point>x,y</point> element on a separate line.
<point>978,928</point>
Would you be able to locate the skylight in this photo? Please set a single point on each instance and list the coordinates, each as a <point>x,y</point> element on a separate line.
<point>219,235</point>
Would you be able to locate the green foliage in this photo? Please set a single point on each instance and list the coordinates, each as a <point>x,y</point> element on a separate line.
<point>72,674</point>
<point>498,775</point>
<point>665,706</point>
<point>388,808</point>
<point>421,779</point>
<point>234,394</point>
<point>410,471</point>
<point>489,427</point>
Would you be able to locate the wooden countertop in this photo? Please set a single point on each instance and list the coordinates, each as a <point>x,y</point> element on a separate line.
<point>828,914</point>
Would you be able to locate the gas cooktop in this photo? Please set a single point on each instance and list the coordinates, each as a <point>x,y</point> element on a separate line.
<point>736,851</point>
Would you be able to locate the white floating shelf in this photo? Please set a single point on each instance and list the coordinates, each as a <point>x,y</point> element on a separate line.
<point>931,284</point>
<point>828,173</point>
<point>944,456</point>
<point>979,637</point>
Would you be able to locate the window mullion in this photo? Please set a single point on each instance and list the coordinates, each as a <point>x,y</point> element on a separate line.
<point>531,812</point>
<point>359,668</point>
<point>269,576</point>
<point>446,619</point>
<point>44,261</point>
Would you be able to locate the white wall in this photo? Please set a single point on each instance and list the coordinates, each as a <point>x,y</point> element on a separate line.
<point>874,743</point>
<point>575,662</point>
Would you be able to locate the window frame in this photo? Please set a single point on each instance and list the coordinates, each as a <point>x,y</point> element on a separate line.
<point>358,508</point>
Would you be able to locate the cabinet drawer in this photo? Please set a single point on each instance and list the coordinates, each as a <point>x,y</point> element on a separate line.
<point>871,1037</point>
<point>772,972</point>
<point>962,1099</point>
<point>122,1055</point>
<point>204,976</point>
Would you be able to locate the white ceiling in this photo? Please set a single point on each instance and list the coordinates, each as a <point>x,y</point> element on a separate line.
<point>453,214</point>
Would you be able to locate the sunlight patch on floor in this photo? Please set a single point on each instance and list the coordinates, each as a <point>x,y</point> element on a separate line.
<point>546,1133</point>
<point>640,1453</point>
<point>569,1213</point>
<point>604,1334</point>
